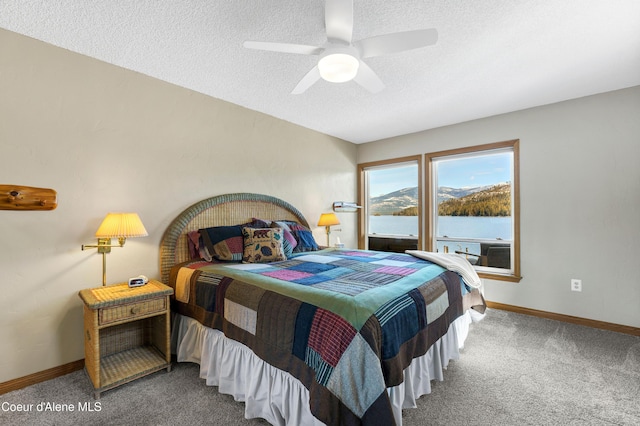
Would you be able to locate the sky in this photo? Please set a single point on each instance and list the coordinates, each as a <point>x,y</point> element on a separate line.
<point>456,173</point>
<point>384,181</point>
<point>475,171</point>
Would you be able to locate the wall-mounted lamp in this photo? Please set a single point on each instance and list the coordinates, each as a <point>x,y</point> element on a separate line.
<point>344,206</point>
<point>120,226</point>
<point>328,220</point>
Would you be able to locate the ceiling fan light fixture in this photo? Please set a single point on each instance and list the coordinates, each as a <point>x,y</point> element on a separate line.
<point>338,67</point>
<point>339,58</point>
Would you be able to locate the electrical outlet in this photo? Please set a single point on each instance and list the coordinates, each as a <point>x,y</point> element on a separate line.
<point>576,285</point>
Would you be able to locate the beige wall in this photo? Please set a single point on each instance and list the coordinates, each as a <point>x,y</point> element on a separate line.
<point>580,201</point>
<point>108,139</point>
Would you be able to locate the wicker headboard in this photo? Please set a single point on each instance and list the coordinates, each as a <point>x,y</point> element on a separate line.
<point>222,210</point>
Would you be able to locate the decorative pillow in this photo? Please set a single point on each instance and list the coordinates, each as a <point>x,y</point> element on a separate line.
<point>193,242</point>
<point>263,245</point>
<point>289,243</point>
<point>303,237</point>
<point>259,223</point>
<point>223,242</point>
<point>197,249</point>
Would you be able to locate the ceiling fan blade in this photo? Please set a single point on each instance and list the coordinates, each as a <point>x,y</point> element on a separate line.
<point>368,79</point>
<point>301,49</point>
<point>396,42</point>
<point>307,81</point>
<point>338,19</point>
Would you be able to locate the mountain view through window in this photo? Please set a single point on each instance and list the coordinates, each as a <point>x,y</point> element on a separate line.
<point>471,206</point>
<point>393,201</point>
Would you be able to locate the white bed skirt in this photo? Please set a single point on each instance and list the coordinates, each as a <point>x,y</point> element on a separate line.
<point>277,396</point>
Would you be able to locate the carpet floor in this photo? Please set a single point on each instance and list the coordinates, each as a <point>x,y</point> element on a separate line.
<point>514,370</point>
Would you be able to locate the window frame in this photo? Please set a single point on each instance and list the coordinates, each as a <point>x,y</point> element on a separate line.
<point>362,194</point>
<point>431,205</point>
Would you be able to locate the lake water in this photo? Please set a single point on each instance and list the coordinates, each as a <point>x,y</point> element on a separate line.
<point>451,226</point>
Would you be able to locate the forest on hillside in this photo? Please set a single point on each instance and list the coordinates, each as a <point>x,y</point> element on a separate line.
<point>495,201</point>
<point>492,201</point>
<point>409,211</point>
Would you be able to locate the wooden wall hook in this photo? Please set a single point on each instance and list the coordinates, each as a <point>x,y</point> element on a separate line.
<point>17,197</point>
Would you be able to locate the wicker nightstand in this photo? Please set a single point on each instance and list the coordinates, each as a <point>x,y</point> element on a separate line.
<point>127,333</point>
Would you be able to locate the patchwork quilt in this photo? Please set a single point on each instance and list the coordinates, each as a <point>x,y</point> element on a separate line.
<point>346,323</point>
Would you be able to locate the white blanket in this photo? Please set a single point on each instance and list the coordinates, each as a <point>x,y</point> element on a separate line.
<point>453,262</point>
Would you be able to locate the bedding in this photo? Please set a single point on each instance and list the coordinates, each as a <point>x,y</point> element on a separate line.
<point>345,323</point>
<point>274,395</point>
<point>228,318</point>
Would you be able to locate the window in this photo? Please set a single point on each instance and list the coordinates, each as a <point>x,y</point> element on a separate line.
<point>390,194</point>
<point>473,207</point>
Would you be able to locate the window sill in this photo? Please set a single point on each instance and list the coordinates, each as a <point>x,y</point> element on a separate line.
<point>500,277</point>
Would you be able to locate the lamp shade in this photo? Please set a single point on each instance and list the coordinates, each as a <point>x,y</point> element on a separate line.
<point>328,219</point>
<point>121,225</point>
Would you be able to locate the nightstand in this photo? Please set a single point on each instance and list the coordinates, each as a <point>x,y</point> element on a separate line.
<point>126,333</point>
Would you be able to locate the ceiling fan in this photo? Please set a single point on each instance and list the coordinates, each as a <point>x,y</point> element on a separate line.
<point>341,59</point>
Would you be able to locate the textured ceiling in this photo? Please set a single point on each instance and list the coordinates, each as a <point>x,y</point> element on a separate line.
<point>492,56</point>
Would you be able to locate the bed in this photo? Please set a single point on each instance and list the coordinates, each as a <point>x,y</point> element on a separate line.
<point>304,335</point>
